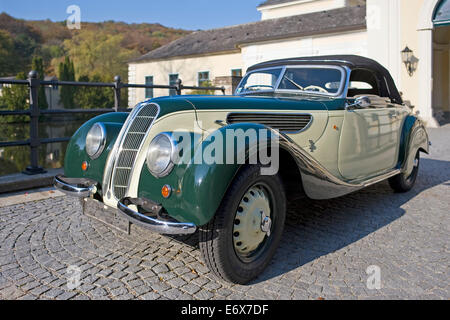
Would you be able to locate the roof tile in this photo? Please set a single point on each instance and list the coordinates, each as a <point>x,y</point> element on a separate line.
<point>228,38</point>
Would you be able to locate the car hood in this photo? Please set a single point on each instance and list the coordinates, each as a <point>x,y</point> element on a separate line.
<point>235,103</point>
<point>254,103</point>
<point>197,102</point>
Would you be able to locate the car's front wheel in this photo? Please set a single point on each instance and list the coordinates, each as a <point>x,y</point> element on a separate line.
<point>241,239</point>
<point>403,182</point>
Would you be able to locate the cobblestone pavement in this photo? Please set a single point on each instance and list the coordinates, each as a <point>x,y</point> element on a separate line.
<point>325,252</point>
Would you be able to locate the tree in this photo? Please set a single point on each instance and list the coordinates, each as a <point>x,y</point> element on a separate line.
<point>67,73</point>
<point>94,97</point>
<point>206,84</point>
<point>99,53</point>
<point>26,40</point>
<point>7,56</point>
<point>15,98</point>
<point>38,66</point>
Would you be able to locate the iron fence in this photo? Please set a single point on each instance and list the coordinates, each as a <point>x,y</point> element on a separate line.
<point>33,82</point>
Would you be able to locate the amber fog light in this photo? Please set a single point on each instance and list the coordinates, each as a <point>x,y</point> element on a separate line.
<point>84,165</point>
<point>166,191</point>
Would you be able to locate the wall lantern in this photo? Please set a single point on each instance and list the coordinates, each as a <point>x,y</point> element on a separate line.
<point>407,58</point>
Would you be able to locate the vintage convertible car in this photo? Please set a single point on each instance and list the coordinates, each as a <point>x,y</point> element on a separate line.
<point>338,122</point>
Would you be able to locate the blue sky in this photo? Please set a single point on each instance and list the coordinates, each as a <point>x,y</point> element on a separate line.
<point>186,14</point>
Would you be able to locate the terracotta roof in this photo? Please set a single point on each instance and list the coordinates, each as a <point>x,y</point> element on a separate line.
<point>228,38</point>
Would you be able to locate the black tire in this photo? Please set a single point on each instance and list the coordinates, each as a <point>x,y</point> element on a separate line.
<point>402,183</point>
<point>216,238</point>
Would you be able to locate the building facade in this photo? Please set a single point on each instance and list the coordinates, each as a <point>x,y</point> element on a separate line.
<point>378,29</point>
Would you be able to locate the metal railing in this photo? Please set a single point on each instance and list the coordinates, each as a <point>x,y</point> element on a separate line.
<point>33,82</point>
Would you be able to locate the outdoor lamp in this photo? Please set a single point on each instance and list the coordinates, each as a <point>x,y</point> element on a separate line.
<point>407,58</point>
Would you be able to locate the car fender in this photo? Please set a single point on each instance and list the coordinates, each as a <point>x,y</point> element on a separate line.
<point>199,186</point>
<point>414,138</point>
<point>76,154</point>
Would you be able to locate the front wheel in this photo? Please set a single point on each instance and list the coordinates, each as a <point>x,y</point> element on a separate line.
<point>404,183</point>
<point>241,239</point>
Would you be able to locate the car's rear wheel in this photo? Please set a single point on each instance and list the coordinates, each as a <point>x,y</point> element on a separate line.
<point>403,182</point>
<point>241,239</point>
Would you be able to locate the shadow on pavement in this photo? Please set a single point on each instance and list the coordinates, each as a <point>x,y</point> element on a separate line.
<point>317,228</point>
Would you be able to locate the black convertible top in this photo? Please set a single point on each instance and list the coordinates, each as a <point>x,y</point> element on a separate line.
<point>386,82</point>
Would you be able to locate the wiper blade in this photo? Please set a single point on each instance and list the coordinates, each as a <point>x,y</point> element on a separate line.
<point>294,83</point>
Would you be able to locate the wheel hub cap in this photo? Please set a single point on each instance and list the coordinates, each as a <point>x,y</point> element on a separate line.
<point>252,222</point>
<point>266,224</point>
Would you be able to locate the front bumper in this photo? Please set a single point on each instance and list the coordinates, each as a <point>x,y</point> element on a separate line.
<point>149,220</point>
<point>84,188</point>
<point>81,188</point>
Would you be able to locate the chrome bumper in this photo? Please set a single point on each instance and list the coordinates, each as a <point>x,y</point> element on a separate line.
<point>153,224</point>
<point>75,187</point>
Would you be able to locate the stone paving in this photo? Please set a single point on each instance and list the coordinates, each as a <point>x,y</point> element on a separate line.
<point>326,249</point>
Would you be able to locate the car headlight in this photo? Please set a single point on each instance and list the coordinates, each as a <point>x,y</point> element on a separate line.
<point>96,140</point>
<point>161,155</point>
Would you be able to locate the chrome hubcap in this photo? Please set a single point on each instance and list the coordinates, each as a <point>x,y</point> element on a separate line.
<point>252,222</point>
<point>266,223</point>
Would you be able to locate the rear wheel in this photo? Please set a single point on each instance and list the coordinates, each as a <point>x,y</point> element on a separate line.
<point>241,239</point>
<point>404,183</point>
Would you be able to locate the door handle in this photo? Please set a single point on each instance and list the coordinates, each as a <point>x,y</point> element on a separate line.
<point>393,115</point>
<point>360,103</point>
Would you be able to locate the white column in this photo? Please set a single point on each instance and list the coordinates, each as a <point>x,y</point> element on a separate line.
<point>425,70</point>
<point>131,91</point>
<point>383,29</point>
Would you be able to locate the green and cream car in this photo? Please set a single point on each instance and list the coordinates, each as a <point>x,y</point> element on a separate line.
<point>328,126</point>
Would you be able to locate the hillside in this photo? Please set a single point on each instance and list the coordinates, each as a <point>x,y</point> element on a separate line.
<point>20,40</point>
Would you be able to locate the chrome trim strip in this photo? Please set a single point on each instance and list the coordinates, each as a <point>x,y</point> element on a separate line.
<point>138,150</point>
<point>318,182</point>
<point>81,188</point>
<point>155,225</point>
<point>112,157</point>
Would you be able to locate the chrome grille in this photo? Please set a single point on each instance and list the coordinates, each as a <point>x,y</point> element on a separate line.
<point>138,128</point>
<point>283,122</point>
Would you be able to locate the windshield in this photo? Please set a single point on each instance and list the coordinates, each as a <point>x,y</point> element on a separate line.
<point>318,80</point>
<point>262,80</point>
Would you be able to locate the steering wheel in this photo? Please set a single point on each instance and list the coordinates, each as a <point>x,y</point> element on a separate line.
<point>259,86</point>
<point>314,88</point>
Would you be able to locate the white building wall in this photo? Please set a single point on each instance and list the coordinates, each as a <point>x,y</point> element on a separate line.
<point>299,7</point>
<point>132,79</point>
<point>342,43</point>
<point>187,69</point>
<point>384,35</point>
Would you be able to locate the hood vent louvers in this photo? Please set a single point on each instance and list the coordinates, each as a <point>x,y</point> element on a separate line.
<point>283,122</point>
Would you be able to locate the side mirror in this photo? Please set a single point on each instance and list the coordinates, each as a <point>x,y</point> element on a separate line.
<point>360,103</point>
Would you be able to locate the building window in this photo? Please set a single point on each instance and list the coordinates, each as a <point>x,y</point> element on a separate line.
<point>149,91</point>
<point>236,73</point>
<point>173,82</point>
<point>202,78</point>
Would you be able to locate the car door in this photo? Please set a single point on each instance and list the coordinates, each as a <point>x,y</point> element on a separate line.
<point>369,138</point>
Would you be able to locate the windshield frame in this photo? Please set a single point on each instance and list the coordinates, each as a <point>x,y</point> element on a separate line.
<point>277,83</point>
<point>339,93</point>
